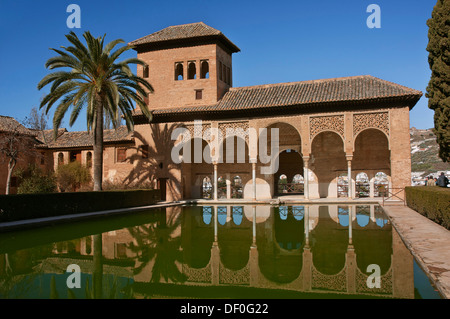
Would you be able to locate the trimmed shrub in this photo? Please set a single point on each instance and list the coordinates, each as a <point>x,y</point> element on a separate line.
<point>29,206</point>
<point>34,181</point>
<point>72,176</point>
<point>431,201</point>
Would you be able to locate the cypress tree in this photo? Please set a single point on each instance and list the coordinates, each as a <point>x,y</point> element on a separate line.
<point>438,90</point>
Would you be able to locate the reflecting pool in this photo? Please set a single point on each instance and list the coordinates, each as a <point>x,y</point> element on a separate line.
<point>230,251</point>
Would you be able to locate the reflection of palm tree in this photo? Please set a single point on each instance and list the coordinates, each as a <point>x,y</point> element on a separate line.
<point>155,242</point>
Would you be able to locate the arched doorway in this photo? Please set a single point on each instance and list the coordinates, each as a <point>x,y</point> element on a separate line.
<point>326,161</point>
<point>362,185</point>
<point>289,159</point>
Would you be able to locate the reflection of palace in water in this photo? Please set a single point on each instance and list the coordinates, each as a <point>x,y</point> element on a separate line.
<point>293,248</point>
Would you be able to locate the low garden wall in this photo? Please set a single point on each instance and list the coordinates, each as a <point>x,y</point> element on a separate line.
<point>30,206</point>
<point>431,201</point>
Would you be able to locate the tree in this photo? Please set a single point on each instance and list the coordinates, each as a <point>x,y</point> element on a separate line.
<point>438,90</point>
<point>94,80</point>
<point>72,176</point>
<point>36,121</point>
<point>16,144</point>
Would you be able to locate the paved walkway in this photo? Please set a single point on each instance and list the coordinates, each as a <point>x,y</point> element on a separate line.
<point>428,242</point>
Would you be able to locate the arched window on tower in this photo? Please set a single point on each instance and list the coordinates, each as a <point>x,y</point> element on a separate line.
<point>179,71</point>
<point>204,69</point>
<point>145,72</point>
<point>192,70</point>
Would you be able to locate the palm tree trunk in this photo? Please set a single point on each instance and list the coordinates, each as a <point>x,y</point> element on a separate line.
<point>98,145</point>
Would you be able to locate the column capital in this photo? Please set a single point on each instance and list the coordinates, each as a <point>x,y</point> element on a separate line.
<point>349,157</point>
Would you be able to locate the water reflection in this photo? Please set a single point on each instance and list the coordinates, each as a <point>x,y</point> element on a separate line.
<point>298,250</point>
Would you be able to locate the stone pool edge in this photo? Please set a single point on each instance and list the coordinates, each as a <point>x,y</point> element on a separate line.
<point>45,221</point>
<point>427,241</point>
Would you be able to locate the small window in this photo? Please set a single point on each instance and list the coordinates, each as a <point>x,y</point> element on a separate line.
<point>224,71</point>
<point>42,155</point>
<point>179,74</point>
<point>145,73</point>
<point>228,76</point>
<point>89,159</point>
<point>192,71</point>
<point>198,94</point>
<point>144,151</point>
<point>204,69</point>
<point>121,155</point>
<point>220,70</point>
<point>60,159</point>
<point>121,250</point>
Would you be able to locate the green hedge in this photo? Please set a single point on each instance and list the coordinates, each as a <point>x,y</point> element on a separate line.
<point>431,201</point>
<point>29,206</point>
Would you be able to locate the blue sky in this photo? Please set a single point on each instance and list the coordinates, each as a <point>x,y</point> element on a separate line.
<point>280,41</point>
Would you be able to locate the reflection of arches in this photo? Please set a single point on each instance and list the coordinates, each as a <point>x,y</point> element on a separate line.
<point>289,227</point>
<point>329,242</point>
<point>373,244</point>
<point>327,158</point>
<point>362,185</point>
<point>198,235</point>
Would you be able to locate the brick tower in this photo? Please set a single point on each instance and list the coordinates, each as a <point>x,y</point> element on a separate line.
<point>188,65</point>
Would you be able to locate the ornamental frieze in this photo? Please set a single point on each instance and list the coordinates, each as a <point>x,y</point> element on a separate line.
<point>364,121</point>
<point>320,124</point>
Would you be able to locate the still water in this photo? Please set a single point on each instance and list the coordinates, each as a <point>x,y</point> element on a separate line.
<point>240,251</point>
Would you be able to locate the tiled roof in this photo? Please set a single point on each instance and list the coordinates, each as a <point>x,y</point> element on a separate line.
<point>84,139</point>
<point>46,136</point>
<point>8,124</point>
<point>306,93</point>
<point>183,32</point>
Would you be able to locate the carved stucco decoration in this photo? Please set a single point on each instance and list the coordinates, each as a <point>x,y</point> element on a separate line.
<point>364,121</point>
<point>320,124</point>
<point>239,129</point>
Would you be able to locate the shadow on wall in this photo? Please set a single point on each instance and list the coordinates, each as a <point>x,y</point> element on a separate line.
<point>152,160</point>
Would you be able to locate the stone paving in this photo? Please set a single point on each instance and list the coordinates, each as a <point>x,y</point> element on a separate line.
<point>428,242</point>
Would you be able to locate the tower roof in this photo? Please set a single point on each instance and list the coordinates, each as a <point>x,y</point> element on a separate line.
<point>184,34</point>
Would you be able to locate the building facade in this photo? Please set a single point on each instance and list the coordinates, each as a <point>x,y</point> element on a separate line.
<point>326,130</point>
<point>208,139</point>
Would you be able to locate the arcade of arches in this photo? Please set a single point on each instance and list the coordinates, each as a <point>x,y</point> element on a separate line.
<point>313,161</point>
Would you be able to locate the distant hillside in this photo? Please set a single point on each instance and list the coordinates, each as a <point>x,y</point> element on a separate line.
<point>425,152</point>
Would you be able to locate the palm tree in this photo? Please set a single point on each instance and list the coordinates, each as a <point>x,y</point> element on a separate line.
<point>94,80</point>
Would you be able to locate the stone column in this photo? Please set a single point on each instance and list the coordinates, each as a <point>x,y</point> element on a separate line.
<point>306,225</point>
<point>215,181</point>
<point>350,221</point>
<point>305,176</point>
<point>228,181</point>
<point>254,180</point>
<point>372,187</point>
<point>349,177</point>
